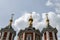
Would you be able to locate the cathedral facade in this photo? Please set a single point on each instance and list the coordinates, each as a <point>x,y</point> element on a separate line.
<point>29,33</point>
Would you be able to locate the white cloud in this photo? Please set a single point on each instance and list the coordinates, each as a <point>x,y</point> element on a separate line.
<point>55,4</point>
<point>49,3</point>
<point>22,22</point>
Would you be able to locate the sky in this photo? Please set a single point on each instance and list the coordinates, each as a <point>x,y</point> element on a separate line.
<point>22,10</point>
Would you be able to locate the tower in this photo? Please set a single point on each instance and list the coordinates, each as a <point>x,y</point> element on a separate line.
<point>8,32</point>
<point>0,34</point>
<point>49,33</point>
<point>29,33</point>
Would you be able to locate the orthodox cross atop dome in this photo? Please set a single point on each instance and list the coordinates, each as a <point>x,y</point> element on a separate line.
<point>47,20</point>
<point>30,21</point>
<point>11,20</point>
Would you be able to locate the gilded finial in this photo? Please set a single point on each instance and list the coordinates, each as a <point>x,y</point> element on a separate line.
<point>11,20</point>
<point>47,20</point>
<point>30,21</point>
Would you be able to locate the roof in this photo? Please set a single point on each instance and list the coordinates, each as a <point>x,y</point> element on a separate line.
<point>26,30</point>
<point>49,28</point>
<point>8,28</point>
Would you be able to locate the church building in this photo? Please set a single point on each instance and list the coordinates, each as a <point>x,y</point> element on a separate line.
<point>29,33</point>
<point>8,33</point>
<point>49,33</point>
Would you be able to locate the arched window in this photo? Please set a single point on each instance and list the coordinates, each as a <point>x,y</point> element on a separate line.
<point>28,37</point>
<point>50,36</point>
<point>5,35</point>
<point>10,36</point>
<point>37,37</point>
<point>45,36</point>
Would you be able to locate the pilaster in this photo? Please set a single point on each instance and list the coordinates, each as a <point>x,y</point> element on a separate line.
<point>2,35</point>
<point>7,38</point>
<point>47,33</point>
